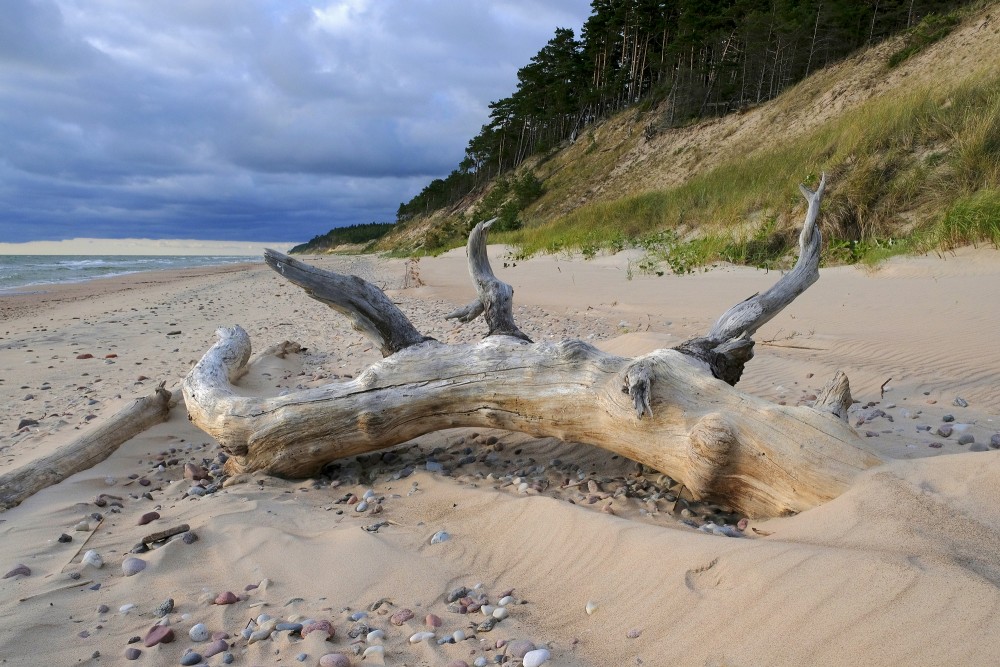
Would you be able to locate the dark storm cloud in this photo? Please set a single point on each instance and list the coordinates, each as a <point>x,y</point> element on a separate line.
<point>244,120</point>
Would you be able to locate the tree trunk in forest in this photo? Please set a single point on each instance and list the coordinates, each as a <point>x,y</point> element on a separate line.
<point>674,410</point>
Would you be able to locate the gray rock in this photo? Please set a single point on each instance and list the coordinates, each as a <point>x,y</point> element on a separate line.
<point>948,418</point>
<point>462,591</point>
<point>966,439</point>
<point>995,441</point>
<point>190,658</point>
<point>978,447</point>
<point>944,430</point>
<point>164,608</point>
<point>961,402</point>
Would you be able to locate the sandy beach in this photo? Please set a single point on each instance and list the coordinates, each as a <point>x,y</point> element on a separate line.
<point>580,545</point>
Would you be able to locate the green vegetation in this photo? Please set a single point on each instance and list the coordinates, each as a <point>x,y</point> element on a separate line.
<point>676,62</point>
<point>930,151</point>
<point>353,235</point>
<point>932,28</point>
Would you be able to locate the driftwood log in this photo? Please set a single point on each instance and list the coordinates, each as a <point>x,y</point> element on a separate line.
<point>674,409</point>
<point>87,450</point>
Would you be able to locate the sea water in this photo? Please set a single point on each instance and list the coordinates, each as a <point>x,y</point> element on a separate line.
<point>20,273</point>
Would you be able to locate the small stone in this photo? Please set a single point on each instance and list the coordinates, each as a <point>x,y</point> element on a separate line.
<point>334,660</point>
<point>147,517</point>
<point>26,422</point>
<point>132,653</point>
<point>82,527</point>
<point>458,636</point>
<point>995,441</point>
<point>228,658</point>
<point>360,507</point>
<point>481,661</point>
<point>948,418</point>
<point>227,598</point>
<point>520,648</point>
<point>103,609</point>
<point>461,592</point>
<point>500,613</point>
<point>190,658</point>
<point>20,570</point>
<point>944,430</point>
<point>288,627</point>
<point>591,607</point>
<point>966,439</point>
<point>190,537</point>
<point>86,355</point>
<point>433,621</point>
<point>961,402</point>
<point>633,633</point>
<point>440,536</point>
<point>158,634</point>
<point>487,625</point>
<point>65,539</point>
<point>418,637</point>
<point>93,559</point>
<point>132,566</point>
<point>125,609</point>
<point>216,647</point>
<point>323,626</point>
<point>374,636</point>
<point>535,658</point>
<point>199,633</point>
<point>302,657</point>
<point>164,608</point>
<point>372,651</point>
<point>401,616</point>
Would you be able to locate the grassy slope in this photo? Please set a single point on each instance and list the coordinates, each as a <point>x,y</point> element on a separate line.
<point>912,154</point>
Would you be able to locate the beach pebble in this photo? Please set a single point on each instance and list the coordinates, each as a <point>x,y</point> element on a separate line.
<point>433,621</point>
<point>461,592</point>
<point>65,539</point>
<point>535,658</point>
<point>961,402</point>
<point>418,637</point>
<point>20,570</point>
<point>93,559</point>
<point>133,565</point>
<point>480,662</point>
<point>302,657</point>
<point>158,634</point>
<point>228,658</point>
<point>191,658</point>
<point>82,527</point>
<point>520,648</point>
<point>458,636</point>
<point>132,653</point>
<point>360,507</point>
<point>334,660</point>
<point>948,418</point>
<point>500,613</point>
<point>190,537</point>
<point>633,633</point>
<point>505,600</point>
<point>163,608</point>
<point>944,430</point>
<point>227,598</point>
<point>375,636</point>
<point>147,517</point>
<point>591,607</point>
<point>216,647</point>
<point>288,627</point>
<point>401,616</point>
<point>440,536</point>
<point>966,439</point>
<point>197,491</point>
<point>126,608</point>
<point>323,626</point>
<point>373,651</point>
<point>199,633</point>
<point>487,625</point>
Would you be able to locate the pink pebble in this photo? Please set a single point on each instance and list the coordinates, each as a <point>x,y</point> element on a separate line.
<point>218,646</point>
<point>401,616</point>
<point>319,626</point>
<point>227,598</point>
<point>158,634</point>
<point>433,621</point>
<point>334,660</point>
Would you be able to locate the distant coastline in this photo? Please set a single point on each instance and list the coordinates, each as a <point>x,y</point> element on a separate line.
<point>144,247</point>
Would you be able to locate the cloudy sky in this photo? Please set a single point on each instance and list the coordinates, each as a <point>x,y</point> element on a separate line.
<point>245,119</point>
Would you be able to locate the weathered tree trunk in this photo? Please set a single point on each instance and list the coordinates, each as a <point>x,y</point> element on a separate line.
<point>674,410</point>
<point>87,450</point>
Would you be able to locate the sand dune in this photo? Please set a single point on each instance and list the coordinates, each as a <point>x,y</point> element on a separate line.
<point>902,569</point>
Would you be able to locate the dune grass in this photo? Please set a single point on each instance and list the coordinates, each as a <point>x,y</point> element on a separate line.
<point>930,155</point>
